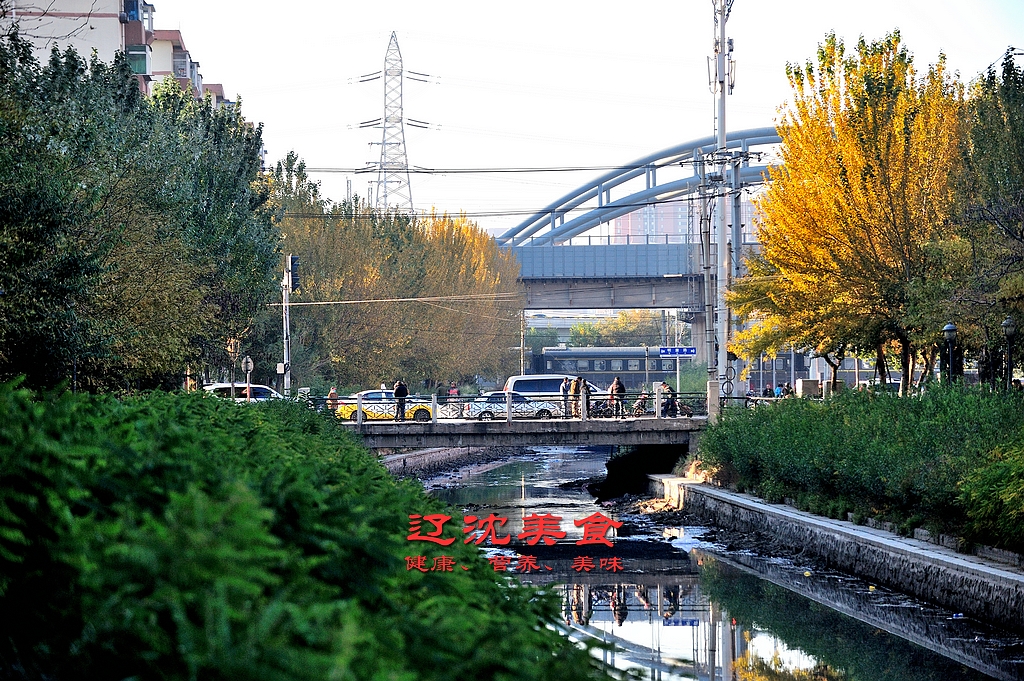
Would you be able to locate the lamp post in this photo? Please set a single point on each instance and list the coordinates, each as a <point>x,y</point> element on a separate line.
<point>1009,330</point>
<point>949,333</point>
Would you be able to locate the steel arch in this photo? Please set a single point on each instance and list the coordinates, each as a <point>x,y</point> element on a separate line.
<point>553,215</point>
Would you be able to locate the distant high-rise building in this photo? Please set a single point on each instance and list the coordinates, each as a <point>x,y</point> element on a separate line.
<point>679,218</point>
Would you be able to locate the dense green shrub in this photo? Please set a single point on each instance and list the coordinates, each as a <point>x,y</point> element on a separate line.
<point>182,536</point>
<point>935,458</point>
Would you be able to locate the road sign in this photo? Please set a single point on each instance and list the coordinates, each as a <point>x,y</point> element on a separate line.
<point>677,621</point>
<point>247,364</point>
<point>685,351</point>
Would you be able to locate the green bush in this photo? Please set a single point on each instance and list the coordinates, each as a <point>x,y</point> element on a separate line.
<point>949,459</point>
<point>183,536</point>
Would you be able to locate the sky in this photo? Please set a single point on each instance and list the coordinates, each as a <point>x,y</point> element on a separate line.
<point>536,84</point>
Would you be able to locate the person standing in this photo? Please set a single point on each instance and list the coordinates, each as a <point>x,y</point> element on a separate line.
<point>565,397</point>
<point>584,395</point>
<point>401,392</point>
<point>332,400</point>
<point>618,393</point>
<point>574,393</point>
<point>670,408</point>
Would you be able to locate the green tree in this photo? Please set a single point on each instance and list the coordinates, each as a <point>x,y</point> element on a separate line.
<point>538,339</point>
<point>992,219</point>
<point>132,230</point>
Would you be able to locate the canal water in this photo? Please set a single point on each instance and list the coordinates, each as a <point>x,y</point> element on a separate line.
<point>671,603</point>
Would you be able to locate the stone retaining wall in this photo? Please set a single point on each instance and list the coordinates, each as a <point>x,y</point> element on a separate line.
<point>973,585</point>
<point>441,458</point>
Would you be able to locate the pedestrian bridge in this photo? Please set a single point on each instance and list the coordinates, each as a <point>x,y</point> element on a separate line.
<point>526,433</point>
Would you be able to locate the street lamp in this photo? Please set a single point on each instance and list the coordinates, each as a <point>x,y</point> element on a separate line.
<point>1009,330</point>
<point>949,333</point>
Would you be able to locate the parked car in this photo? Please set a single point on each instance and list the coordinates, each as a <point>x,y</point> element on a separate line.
<point>546,386</point>
<point>492,405</point>
<point>260,393</point>
<point>382,405</point>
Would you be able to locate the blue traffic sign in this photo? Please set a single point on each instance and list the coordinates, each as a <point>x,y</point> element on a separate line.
<point>677,352</point>
<point>676,621</point>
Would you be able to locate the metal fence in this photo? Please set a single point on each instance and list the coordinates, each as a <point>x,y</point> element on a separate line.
<point>507,406</point>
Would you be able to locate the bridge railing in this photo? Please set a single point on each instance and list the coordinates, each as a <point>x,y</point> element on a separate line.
<point>615,240</point>
<point>496,406</point>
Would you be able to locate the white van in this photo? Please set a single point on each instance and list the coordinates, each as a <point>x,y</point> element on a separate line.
<point>544,385</point>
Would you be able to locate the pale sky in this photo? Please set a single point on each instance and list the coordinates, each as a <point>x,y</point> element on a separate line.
<point>537,84</point>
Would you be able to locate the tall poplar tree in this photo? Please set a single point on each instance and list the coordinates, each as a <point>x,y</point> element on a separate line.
<point>856,233</point>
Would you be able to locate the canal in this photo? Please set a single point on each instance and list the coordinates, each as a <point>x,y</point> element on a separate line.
<point>672,603</point>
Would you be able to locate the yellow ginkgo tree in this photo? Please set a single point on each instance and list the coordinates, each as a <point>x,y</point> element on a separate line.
<point>855,227</point>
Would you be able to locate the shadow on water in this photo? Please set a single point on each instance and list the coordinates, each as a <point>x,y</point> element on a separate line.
<point>681,608</point>
<point>629,467</point>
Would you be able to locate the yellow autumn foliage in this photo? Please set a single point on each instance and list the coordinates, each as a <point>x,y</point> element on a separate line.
<point>855,227</point>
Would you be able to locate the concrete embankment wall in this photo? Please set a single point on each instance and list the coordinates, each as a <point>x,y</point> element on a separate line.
<point>440,458</point>
<point>976,586</point>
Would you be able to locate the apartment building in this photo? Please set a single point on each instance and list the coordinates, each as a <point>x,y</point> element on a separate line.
<point>108,27</point>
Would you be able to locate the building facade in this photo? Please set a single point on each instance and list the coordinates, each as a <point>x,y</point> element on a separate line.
<point>107,27</point>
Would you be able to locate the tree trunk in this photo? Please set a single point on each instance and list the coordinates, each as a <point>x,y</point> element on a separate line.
<point>880,369</point>
<point>906,366</point>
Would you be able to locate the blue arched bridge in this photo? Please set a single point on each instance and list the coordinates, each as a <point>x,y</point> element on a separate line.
<point>562,269</point>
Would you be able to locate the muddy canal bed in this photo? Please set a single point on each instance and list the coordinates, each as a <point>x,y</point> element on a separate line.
<point>679,601</point>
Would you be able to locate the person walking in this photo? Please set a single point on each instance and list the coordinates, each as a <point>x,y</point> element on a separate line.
<point>564,388</point>
<point>618,393</point>
<point>401,392</point>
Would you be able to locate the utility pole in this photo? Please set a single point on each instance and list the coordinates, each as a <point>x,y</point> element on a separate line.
<point>522,343</point>
<point>705,198</point>
<point>723,84</point>
<point>286,287</point>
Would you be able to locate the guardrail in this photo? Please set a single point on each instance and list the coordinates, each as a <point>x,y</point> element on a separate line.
<point>507,406</point>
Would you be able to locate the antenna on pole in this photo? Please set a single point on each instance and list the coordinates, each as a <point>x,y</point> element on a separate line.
<point>393,188</point>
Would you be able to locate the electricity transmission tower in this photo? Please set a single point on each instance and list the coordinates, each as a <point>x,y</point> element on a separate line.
<point>393,189</point>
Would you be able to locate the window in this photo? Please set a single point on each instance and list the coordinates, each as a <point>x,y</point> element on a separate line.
<point>668,365</point>
<point>634,365</point>
<point>582,364</point>
<point>549,363</point>
<point>180,63</point>
<point>616,365</point>
<point>652,364</point>
<point>138,58</point>
<point>599,364</point>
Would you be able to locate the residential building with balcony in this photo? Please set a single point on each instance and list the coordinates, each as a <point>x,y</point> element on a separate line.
<point>108,27</point>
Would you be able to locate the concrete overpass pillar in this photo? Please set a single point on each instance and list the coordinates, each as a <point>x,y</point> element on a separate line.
<point>698,329</point>
<point>714,401</point>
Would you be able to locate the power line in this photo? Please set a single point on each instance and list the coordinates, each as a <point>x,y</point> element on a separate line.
<point>468,297</point>
<point>509,213</point>
<point>481,171</point>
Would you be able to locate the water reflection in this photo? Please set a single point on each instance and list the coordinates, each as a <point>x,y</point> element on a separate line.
<point>683,609</point>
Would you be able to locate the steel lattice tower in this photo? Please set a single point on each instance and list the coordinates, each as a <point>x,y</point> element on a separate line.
<point>393,188</point>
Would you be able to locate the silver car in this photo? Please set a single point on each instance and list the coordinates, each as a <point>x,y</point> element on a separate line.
<point>492,405</point>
